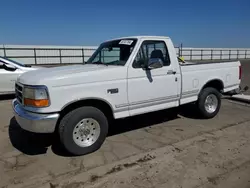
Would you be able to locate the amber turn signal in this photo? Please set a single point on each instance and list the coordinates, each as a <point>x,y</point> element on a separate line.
<point>36,103</point>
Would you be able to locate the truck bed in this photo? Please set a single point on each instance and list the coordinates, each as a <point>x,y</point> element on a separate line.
<point>197,74</point>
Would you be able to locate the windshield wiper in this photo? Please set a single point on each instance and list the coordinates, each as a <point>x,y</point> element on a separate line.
<point>100,63</point>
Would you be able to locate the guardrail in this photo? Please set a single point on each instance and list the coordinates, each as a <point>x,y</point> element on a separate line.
<point>68,55</point>
<point>215,53</point>
<point>48,55</point>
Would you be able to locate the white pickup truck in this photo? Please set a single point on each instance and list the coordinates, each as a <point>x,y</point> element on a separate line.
<point>124,77</point>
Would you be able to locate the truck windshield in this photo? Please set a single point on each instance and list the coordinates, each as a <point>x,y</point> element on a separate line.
<point>114,52</point>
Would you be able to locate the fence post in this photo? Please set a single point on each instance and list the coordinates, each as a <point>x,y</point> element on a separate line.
<point>102,55</point>
<point>201,54</point>
<point>211,54</point>
<point>181,50</point>
<point>191,54</point>
<point>35,56</point>
<point>83,61</point>
<point>245,54</point>
<point>60,55</point>
<point>237,54</point>
<point>229,54</point>
<point>4,51</point>
<point>220,54</point>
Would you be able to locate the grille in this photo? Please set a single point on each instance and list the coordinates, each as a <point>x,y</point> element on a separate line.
<point>19,92</point>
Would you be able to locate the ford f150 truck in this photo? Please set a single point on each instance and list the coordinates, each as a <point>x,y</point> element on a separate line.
<point>124,77</point>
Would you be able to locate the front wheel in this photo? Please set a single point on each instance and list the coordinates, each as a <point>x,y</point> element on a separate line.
<point>83,130</point>
<point>209,102</point>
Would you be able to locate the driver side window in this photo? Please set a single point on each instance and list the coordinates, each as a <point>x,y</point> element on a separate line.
<point>151,49</point>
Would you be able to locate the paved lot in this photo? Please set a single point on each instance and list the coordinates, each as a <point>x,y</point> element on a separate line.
<point>177,146</point>
<point>162,149</point>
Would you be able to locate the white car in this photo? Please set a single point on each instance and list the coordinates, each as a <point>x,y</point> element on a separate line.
<point>9,71</point>
<point>124,77</point>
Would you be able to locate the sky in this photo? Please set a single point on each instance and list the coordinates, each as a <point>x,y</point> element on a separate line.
<point>195,23</point>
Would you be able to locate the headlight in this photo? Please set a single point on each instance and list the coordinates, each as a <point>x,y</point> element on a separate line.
<point>36,96</point>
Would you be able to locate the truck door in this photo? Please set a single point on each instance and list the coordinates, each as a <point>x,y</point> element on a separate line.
<point>154,89</point>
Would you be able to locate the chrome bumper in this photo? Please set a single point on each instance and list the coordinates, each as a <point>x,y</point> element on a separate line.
<point>33,122</point>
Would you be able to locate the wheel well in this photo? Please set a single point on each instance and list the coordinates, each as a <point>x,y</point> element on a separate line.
<point>217,84</point>
<point>101,105</point>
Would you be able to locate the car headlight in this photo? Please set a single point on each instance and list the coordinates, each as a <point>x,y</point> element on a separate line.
<point>36,96</point>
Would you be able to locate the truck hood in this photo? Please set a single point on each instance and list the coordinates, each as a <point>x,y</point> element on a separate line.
<point>72,75</point>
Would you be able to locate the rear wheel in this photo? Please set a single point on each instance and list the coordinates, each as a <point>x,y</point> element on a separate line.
<point>209,102</point>
<point>83,130</point>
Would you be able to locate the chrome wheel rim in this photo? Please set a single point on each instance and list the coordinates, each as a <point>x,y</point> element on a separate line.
<point>211,103</point>
<point>86,132</point>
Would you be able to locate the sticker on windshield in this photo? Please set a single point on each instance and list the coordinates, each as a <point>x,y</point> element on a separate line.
<point>126,42</point>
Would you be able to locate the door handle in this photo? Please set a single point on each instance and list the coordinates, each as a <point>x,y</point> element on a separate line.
<point>171,72</point>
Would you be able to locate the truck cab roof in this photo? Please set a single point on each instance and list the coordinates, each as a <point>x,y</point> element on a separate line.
<point>141,37</point>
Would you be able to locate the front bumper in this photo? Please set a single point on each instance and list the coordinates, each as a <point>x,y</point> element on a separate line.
<point>34,122</point>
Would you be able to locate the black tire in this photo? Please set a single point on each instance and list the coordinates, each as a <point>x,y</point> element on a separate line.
<point>70,120</point>
<point>201,102</point>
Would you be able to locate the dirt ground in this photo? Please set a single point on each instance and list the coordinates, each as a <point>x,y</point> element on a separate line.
<point>169,148</point>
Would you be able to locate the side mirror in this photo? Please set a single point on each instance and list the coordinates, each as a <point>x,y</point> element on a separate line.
<point>155,63</point>
<point>9,67</point>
